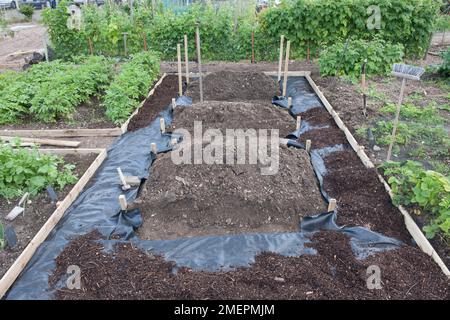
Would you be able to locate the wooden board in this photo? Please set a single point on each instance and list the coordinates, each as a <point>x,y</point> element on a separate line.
<point>48,142</point>
<point>410,224</point>
<point>20,263</point>
<point>113,132</point>
<point>71,151</point>
<point>124,127</point>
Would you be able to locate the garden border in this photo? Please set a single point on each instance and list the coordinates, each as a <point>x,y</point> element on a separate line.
<point>410,224</point>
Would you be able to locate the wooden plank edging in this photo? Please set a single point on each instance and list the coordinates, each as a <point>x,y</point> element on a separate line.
<point>109,132</point>
<point>410,224</point>
<point>19,264</point>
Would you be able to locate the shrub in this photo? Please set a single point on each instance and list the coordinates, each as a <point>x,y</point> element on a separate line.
<point>23,170</point>
<point>347,58</point>
<point>27,11</point>
<point>130,85</point>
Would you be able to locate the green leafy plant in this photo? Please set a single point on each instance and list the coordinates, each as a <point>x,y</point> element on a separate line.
<point>426,115</point>
<point>51,91</point>
<point>23,170</point>
<point>444,69</point>
<point>27,11</point>
<point>130,85</point>
<point>346,58</point>
<point>430,190</point>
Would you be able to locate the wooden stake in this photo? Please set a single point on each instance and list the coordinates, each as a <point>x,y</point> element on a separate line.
<point>162,125</point>
<point>47,142</point>
<point>308,53</point>
<point>174,103</point>
<point>397,116</point>
<point>363,75</point>
<point>91,47</point>
<point>280,62</point>
<point>123,202</point>
<point>174,141</point>
<point>308,145</point>
<point>332,205</point>
<point>125,185</point>
<point>145,41</point>
<point>253,47</point>
<point>180,79</point>
<point>186,58</point>
<point>286,64</point>
<point>154,149</point>
<point>299,123</point>
<point>199,60</point>
<point>125,43</point>
<point>289,102</point>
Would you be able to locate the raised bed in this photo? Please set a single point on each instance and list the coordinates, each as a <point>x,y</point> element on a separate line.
<point>150,276</point>
<point>172,207</point>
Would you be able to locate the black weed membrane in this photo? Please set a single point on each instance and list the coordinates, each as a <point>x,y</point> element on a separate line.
<point>97,208</point>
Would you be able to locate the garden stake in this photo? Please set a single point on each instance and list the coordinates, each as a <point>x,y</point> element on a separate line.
<point>363,85</point>
<point>125,43</point>
<point>289,102</point>
<point>299,123</point>
<point>123,202</point>
<point>308,145</point>
<point>91,49</point>
<point>331,205</point>
<point>186,58</point>
<point>199,60</point>
<point>162,125</point>
<point>145,41</point>
<point>253,47</point>
<point>174,104</point>
<point>280,62</point>
<point>404,72</point>
<point>180,79</point>
<point>286,66</point>
<point>154,149</point>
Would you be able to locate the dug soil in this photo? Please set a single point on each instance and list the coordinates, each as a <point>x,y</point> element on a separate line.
<point>87,115</point>
<point>157,102</point>
<point>361,198</point>
<point>36,213</point>
<point>333,273</point>
<point>203,199</point>
<point>234,86</point>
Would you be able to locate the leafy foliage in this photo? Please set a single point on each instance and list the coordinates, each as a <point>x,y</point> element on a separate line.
<point>319,23</point>
<point>313,23</point>
<point>130,85</point>
<point>50,91</point>
<point>24,170</point>
<point>426,115</point>
<point>430,190</point>
<point>347,58</point>
<point>27,11</point>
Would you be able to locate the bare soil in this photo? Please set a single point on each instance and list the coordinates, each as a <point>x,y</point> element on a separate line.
<point>161,98</point>
<point>234,86</point>
<point>238,115</point>
<point>27,39</point>
<point>191,200</point>
<point>36,213</point>
<point>333,273</point>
